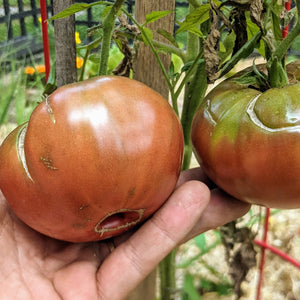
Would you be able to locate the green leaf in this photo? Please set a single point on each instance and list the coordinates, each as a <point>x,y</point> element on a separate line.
<point>147,35</point>
<point>74,8</point>
<point>276,27</point>
<point>243,52</point>
<point>171,70</point>
<point>156,15</point>
<point>91,45</point>
<point>187,66</point>
<point>167,35</point>
<point>195,18</point>
<point>252,30</point>
<point>196,31</point>
<point>200,241</point>
<point>226,46</point>
<point>189,288</point>
<point>51,83</point>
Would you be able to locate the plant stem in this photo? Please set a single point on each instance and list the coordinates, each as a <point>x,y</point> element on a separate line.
<point>276,64</point>
<point>155,53</point>
<point>108,26</point>
<point>195,83</point>
<point>286,43</point>
<point>167,276</point>
<point>194,94</point>
<point>157,44</point>
<point>86,55</point>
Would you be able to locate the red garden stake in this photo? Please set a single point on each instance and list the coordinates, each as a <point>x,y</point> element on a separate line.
<point>285,30</point>
<point>43,5</point>
<point>263,255</point>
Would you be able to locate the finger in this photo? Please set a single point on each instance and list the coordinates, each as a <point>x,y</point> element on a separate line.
<point>133,260</point>
<point>195,174</point>
<point>221,210</point>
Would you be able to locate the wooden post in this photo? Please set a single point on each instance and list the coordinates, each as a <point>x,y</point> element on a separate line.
<point>147,70</point>
<point>65,47</point>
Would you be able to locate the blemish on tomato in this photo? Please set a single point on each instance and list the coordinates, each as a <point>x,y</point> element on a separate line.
<point>132,192</point>
<point>83,206</point>
<point>49,110</point>
<point>48,163</point>
<point>118,220</point>
<point>21,151</point>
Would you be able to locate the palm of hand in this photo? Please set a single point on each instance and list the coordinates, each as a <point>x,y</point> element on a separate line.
<point>38,267</point>
<point>33,266</point>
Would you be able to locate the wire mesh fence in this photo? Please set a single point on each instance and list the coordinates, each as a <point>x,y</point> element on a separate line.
<point>20,25</point>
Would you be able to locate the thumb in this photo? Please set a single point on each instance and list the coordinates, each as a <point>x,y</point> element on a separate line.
<point>133,260</point>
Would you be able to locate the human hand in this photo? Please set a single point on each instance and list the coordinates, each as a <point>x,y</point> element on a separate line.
<point>33,266</point>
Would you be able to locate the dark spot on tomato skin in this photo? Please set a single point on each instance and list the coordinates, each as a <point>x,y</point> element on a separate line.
<point>132,192</point>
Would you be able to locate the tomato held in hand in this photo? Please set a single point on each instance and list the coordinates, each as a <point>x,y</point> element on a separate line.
<point>95,159</point>
<point>248,142</point>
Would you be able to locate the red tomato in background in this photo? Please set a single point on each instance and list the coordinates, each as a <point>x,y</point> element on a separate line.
<point>95,159</point>
<point>248,141</point>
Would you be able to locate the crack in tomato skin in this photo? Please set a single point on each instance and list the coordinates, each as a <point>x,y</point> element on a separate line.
<point>50,110</point>
<point>127,154</point>
<point>21,151</point>
<point>258,122</point>
<point>119,212</point>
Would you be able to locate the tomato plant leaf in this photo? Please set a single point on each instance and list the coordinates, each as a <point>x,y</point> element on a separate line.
<point>288,16</point>
<point>188,65</point>
<point>200,241</point>
<point>276,27</point>
<point>196,17</point>
<point>167,35</point>
<point>91,45</point>
<point>189,288</point>
<point>50,86</point>
<point>156,15</point>
<point>147,35</point>
<point>252,30</point>
<point>196,31</point>
<point>74,8</point>
<point>244,52</point>
<point>226,46</point>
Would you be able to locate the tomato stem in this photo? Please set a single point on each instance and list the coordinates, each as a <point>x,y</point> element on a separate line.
<point>108,26</point>
<point>195,84</point>
<point>276,63</point>
<point>194,93</point>
<point>167,276</point>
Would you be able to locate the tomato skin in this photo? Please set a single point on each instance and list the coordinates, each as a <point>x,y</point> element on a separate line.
<point>102,155</point>
<point>248,142</point>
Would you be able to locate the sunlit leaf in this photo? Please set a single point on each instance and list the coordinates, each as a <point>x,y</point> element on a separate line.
<point>156,15</point>
<point>74,8</point>
<point>147,35</point>
<point>198,16</point>
<point>189,288</point>
<point>200,241</point>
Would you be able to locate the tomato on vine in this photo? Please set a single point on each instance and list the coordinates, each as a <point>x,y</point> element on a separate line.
<point>95,159</point>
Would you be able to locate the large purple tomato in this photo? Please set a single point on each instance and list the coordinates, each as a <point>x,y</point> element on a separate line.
<point>95,159</point>
<point>248,141</point>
